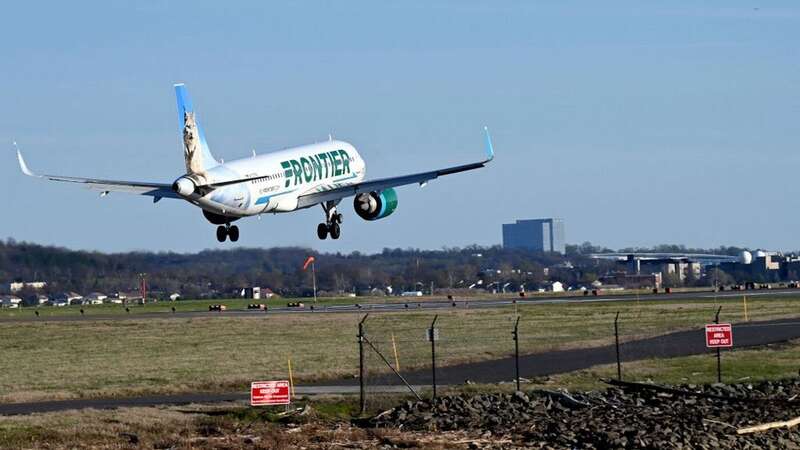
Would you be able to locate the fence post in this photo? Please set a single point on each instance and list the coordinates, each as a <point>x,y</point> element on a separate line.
<point>516,350</point>
<point>719,357</point>
<point>432,336</point>
<point>362,398</point>
<point>616,342</point>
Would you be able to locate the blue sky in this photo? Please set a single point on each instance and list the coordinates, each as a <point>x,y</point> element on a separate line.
<point>637,122</point>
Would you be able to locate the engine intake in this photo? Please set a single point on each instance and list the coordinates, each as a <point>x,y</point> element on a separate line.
<point>376,204</point>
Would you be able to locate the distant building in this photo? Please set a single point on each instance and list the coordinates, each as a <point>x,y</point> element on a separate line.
<point>95,298</point>
<point>58,301</point>
<point>18,286</point>
<point>126,296</point>
<point>10,301</point>
<point>252,292</point>
<point>682,267</point>
<point>762,266</point>
<point>68,298</point>
<point>541,235</point>
<point>633,280</point>
<point>36,300</point>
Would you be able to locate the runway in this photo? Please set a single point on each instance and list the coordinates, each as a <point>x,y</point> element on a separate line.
<point>413,304</point>
<point>682,343</point>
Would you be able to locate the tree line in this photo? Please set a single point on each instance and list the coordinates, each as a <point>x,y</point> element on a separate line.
<point>222,273</point>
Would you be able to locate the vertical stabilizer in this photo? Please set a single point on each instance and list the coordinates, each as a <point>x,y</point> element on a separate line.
<point>196,153</point>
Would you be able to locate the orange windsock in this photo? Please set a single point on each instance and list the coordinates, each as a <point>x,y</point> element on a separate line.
<point>309,260</point>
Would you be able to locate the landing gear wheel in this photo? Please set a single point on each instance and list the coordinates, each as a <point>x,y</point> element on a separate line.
<point>332,220</point>
<point>335,230</point>
<point>233,233</point>
<point>222,233</point>
<point>322,231</point>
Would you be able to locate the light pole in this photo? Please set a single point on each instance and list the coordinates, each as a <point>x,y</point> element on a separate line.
<point>314,280</point>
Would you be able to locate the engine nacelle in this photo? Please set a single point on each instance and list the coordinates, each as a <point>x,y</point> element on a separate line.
<point>375,205</point>
<point>184,186</point>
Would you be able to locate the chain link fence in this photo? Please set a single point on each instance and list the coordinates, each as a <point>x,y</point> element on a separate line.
<point>467,346</point>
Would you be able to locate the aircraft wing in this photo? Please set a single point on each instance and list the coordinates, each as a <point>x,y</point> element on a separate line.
<point>307,200</point>
<point>155,190</point>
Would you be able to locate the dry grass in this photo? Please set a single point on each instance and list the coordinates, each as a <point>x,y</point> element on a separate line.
<point>232,426</point>
<point>50,360</point>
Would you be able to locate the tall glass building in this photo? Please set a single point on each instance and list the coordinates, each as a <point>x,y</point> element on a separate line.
<point>542,235</point>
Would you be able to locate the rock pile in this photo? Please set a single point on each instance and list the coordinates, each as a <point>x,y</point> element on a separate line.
<point>629,416</point>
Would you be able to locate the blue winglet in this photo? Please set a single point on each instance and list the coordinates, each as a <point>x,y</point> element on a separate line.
<point>489,148</point>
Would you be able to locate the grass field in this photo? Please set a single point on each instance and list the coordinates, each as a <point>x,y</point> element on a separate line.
<point>48,360</point>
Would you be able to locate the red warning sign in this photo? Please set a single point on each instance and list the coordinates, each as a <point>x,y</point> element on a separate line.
<point>719,335</point>
<point>269,393</point>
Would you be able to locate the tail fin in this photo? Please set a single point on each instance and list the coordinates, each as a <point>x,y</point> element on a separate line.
<point>196,153</point>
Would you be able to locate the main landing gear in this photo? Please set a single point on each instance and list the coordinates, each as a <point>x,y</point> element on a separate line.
<point>332,222</point>
<point>227,231</point>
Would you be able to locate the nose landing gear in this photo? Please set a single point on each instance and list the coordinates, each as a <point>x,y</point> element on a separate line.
<point>227,231</point>
<point>332,222</point>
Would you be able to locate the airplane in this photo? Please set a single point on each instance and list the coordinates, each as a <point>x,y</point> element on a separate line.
<point>283,181</point>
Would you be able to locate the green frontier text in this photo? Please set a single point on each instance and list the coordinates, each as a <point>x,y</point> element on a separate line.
<point>316,167</point>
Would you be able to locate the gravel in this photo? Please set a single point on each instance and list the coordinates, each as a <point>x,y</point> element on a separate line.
<point>631,416</point>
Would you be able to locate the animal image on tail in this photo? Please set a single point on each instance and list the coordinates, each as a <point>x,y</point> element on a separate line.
<point>191,148</point>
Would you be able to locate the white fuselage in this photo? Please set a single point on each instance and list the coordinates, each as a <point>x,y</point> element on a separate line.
<point>281,177</point>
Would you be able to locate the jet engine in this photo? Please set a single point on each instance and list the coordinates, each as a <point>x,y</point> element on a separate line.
<point>184,186</point>
<point>376,204</point>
